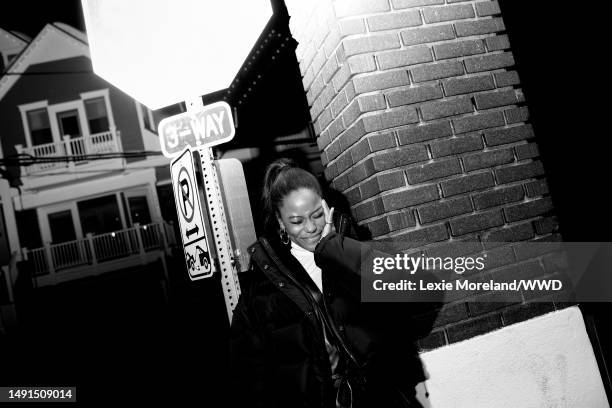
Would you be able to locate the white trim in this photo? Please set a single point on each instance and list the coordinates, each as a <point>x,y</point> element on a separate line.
<point>150,116</point>
<point>85,189</point>
<point>163,182</point>
<point>10,222</point>
<point>85,171</point>
<point>139,114</point>
<point>24,109</point>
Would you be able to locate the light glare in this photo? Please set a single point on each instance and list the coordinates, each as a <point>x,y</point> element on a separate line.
<point>163,52</point>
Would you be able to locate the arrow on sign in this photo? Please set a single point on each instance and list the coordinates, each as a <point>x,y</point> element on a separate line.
<point>192,231</point>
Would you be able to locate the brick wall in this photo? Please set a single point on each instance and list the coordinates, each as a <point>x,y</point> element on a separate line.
<point>422,125</point>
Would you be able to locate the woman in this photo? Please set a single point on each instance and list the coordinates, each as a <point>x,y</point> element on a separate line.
<point>300,335</point>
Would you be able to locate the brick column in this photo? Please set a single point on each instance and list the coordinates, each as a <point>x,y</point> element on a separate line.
<point>422,125</point>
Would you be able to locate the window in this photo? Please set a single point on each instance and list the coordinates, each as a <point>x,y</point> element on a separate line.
<point>148,121</point>
<point>100,215</point>
<point>40,129</point>
<point>97,117</point>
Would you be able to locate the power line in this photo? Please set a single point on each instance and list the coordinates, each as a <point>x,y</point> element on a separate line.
<point>28,160</point>
<point>47,73</point>
<point>95,172</point>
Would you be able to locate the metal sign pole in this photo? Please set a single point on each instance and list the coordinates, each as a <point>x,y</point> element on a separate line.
<point>218,222</point>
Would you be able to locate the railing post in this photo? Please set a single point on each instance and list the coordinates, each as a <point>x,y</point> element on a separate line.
<point>118,147</point>
<point>115,134</point>
<point>49,258</point>
<point>141,250</point>
<point>68,147</point>
<point>88,145</point>
<point>89,238</point>
<point>20,150</point>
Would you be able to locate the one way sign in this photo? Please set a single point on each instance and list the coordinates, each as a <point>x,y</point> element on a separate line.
<point>191,220</point>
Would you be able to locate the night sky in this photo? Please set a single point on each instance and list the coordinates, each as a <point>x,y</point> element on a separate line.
<point>30,16</point>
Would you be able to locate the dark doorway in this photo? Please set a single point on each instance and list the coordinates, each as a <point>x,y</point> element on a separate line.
<point>61,226</point>
<point>68,122</point>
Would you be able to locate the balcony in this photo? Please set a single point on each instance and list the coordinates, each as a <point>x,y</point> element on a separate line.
<point>77,148</point>
<point>97,254</point>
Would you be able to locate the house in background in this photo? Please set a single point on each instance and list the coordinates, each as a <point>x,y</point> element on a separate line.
<point>90,201</point>
<point>11,44</point>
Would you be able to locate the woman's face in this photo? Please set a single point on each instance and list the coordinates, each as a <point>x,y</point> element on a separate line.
<point>301,214</point>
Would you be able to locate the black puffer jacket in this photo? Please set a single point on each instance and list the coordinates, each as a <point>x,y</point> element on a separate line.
<point>277,344</point>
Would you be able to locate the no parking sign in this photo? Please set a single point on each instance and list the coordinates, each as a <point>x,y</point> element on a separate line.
<point>191,220</point>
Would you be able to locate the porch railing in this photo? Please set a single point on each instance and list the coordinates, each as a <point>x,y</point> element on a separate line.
<point>77,148</point>
<point>95,249</point>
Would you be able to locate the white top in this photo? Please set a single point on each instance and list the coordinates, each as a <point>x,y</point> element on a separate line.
<point>306,259</point>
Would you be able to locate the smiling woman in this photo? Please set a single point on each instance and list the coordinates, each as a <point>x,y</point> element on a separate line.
<point>300,335</point>
<point>301,218</point>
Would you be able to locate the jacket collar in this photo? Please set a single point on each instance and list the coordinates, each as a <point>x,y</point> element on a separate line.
<point>292,280</point>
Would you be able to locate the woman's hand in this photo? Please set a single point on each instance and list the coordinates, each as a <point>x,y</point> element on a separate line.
<point>329,220</point>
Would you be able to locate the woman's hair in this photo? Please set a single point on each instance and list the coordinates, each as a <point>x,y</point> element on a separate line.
<point>282,177</point>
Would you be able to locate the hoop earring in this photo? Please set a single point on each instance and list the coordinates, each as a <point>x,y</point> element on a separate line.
<point>284,238</point>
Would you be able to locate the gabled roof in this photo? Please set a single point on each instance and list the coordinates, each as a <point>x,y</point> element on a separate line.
<point>26,38</point>
<point>10,42</point>
<point>51,44</point>
<point>11,38</point>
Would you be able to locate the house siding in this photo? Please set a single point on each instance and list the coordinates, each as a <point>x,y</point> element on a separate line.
<point>74,76</point>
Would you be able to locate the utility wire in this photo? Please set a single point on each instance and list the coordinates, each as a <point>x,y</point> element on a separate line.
<point>28,160</point>
<point>46,73</point>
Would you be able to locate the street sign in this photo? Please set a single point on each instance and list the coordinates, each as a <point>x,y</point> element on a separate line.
<point>209,126</point>
<point>194,175</point>
<point>161,52</point>
<point>191,220</point>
